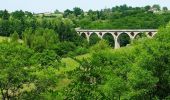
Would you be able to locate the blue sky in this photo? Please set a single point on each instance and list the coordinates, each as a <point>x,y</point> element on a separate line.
<point>38,6</point>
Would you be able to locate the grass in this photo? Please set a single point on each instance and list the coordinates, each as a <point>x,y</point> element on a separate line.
<point>71,64</point>
<point>63,83</point>
<point>85,56</point>
<point>2,38</point>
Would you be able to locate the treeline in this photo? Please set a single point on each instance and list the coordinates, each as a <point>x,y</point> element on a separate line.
<point>41,33</point>
<point>64,23</point>
<point>119,17</point>
<point>19,21</point>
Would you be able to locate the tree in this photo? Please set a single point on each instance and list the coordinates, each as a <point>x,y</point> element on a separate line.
<point>156,6</point>
<point>5,28</point>
<point>85,83</point>
<point>14,37</point>
<point>67,12</point>
<point>63,48</point>
<point>27,37</point>
<point>1,13</point>
<point>101,45</point>
<point>165,9</point>
<point>40,39</point>
<point>28,14</point>
<point>14,69</point>
<point>18,14</point>
<point>93,39</point>
<point>147,8</point>
<point>5,15</point>
<point>47,58</point>
<point>57,11</point>
<point>26,74</point>
<point>65,30</point>
<point>77,11</point>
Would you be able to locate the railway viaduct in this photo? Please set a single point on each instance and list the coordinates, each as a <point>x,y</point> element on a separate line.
<point>132,33</point>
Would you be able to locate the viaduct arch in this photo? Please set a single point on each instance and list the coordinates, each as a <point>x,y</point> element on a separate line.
<point>132,33</point>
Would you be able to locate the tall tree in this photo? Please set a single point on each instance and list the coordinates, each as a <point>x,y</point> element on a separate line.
<point>147,8</point>
<point>14,69</point>
<point>57,11</point>
<point>67,12</point>
<point>14,37</point>
<point>18,14</point>
<point>77,11</point>
<point>5,15</point>
<point>165,9</point>
<point>156,6</point>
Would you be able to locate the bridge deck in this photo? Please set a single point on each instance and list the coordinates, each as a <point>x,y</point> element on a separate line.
<point>118,30</point>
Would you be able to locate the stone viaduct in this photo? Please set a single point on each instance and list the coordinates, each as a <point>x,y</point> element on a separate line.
<point>132,33</point>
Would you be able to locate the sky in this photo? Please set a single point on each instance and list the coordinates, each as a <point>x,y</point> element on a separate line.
<point>39,6</point>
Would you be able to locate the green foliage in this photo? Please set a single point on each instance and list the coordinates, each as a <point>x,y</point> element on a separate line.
<point>110,39</point>
<point>137,72</point>
<point>5,15</point>
<point>124,17</point>
<point>5,27</point>
<point>93,39</point>
<point>101,45</point>
<point>165,9</point>
<point>25,74</point>
<point>78,51</point>
<point>32,70</point>
<point>14,69</point>
<point>77,11</point>
<point>85,84</point>
<point>67,12</point>
<point>156,6</point>
<point>63,48</point>
<point>81,50</point>
<point>18,14</point>
<point>41,39</point>
<point>14,37</point>
<point>124,39</point>
<point>47,58</point>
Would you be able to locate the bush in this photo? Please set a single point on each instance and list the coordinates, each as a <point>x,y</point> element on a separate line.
<point>101,45</point>
<point>78,51</point>
<point>63,48</point>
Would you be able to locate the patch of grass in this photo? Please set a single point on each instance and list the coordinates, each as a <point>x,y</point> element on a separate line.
<point>69,65</point>
<point>2,38</point>
<point>63,83</point>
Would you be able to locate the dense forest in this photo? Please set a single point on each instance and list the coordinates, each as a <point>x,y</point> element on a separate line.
<point>42,56</point>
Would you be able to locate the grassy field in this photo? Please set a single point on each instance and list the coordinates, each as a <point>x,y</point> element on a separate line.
<point>71,64</point>
<point>3,38</point>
